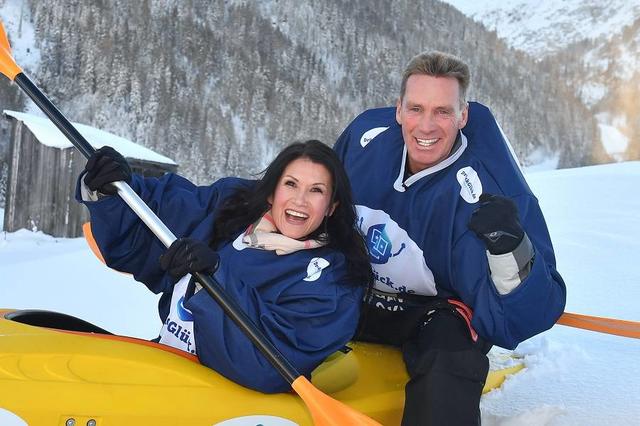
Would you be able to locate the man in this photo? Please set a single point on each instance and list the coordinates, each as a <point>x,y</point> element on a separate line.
<point>459,247</point>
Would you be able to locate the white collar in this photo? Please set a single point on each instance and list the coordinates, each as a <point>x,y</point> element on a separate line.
<point>400,184</point>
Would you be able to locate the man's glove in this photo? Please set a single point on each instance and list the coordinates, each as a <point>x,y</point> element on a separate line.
<point>106,165</point>
<point>187,255</point>
<point>496,223</point>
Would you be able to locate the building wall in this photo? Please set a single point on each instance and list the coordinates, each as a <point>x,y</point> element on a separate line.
<point>41,186</point>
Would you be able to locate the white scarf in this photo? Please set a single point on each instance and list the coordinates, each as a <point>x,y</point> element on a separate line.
<point>265,236</point>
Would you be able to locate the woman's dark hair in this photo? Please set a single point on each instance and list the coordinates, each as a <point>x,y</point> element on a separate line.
<point>245,207</point>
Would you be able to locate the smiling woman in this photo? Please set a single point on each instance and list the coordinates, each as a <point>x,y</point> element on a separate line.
<point>302,199</point>
<point>285,247</point>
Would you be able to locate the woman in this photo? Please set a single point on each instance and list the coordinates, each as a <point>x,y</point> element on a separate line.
<point>284,247</point>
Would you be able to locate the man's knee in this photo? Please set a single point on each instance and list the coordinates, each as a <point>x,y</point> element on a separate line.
<point>443,331</point>
<point>469,364</point>
<point>447,370</point>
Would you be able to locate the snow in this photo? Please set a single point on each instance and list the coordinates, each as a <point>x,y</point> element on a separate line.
<point>18,27</point>
<point>17,21</point>
<point>592,92</point>
<point>541,159</point>
<point>614,141</point>
<point>48,134</point>
<point>42,272</point>
<point>542,27</point>
<point>572,376</point>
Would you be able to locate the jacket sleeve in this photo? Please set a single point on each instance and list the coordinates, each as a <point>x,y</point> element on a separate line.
<point>342,144</point>
<point>533,306</point>
<point>127,244</point>
<point>304,327</point>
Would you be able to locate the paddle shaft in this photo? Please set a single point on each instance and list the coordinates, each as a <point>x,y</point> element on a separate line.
<point>228,305</point>
<point>601,324</point>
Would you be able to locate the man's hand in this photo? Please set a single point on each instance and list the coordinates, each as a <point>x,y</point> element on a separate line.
<point>187,255</point>
<point>105,166</point>
<point>496,223</point>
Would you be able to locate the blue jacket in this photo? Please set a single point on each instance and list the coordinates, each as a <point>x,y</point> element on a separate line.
<point>417,231</point>
<point>307,315</point>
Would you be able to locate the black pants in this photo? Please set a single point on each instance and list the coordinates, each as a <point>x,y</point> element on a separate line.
<point>447,369</point>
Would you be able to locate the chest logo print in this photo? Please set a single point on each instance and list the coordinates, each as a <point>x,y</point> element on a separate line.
<point>470,185</point>
<point>379,244</point>
<point>315,267</point>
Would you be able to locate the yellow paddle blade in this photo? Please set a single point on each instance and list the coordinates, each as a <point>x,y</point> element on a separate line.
<point>8,66</point>
<point>327,411</point>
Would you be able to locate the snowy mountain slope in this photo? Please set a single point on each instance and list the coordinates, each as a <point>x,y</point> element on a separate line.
<point>544,27</point>
<point>595,44</point>
<point>173,77</point>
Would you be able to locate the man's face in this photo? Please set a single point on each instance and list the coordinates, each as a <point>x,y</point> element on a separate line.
<point>430,116</point>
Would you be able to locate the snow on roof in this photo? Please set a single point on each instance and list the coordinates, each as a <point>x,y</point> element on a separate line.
<point>48,134</point>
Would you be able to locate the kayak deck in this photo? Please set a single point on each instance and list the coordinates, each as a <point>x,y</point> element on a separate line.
<point>48,376</point>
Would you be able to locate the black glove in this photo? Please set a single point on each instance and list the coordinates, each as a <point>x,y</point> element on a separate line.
<point>189,255</point>
<point>106,165</point>
<point>496,223</point>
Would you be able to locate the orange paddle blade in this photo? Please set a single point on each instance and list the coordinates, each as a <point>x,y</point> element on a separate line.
<point>602,325</point>
<point>325,410</point>
<point>88,236</point>
<point>8,66</point>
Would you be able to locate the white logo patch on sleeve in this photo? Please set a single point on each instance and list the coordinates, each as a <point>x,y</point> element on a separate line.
<point>370,134</point>
<point>470,185</point>
<point>315,267</point>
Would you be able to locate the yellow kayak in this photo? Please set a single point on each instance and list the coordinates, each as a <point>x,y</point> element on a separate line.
<point>50,376</point>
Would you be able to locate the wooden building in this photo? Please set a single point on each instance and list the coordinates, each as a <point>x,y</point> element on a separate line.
<point>44,166</point>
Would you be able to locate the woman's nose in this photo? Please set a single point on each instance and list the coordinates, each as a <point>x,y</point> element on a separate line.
<point>299,197</point>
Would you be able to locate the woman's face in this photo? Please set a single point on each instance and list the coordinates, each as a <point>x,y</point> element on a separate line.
<point>301,199</point>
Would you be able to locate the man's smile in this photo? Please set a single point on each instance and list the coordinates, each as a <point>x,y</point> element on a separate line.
<point>426,142</point>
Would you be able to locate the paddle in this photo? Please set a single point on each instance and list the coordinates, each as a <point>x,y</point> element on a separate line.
<point>324,409</point>
<point>601,324</point>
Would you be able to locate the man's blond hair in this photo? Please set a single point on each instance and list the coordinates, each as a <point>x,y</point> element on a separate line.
<point>438,64</point>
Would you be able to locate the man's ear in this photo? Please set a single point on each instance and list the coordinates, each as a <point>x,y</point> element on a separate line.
<point>464,116</point>
<point>398,110</point>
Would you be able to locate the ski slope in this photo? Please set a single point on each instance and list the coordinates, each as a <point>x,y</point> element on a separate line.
<point>573,377</point>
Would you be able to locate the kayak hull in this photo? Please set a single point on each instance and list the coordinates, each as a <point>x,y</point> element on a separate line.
<point>48,376</point>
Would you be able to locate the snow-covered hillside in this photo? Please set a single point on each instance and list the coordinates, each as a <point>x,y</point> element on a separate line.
<point>595,43</point>
<point>573,377</point>
<point>543,27</point>
<point>17,22</point>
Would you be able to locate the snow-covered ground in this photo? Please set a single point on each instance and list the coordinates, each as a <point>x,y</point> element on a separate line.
<point>573,377</point>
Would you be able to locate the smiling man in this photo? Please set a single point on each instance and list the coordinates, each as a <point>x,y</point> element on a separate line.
<point>460,251</point>
<point>431,113</point>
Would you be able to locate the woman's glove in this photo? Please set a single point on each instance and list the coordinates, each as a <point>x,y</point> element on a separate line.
<point>496,223</point>
<point>106,165</point>
<point>187,255</point>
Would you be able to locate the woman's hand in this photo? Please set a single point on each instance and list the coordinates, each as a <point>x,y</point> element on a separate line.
<point>186,255</point>
<point>105,166</point>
